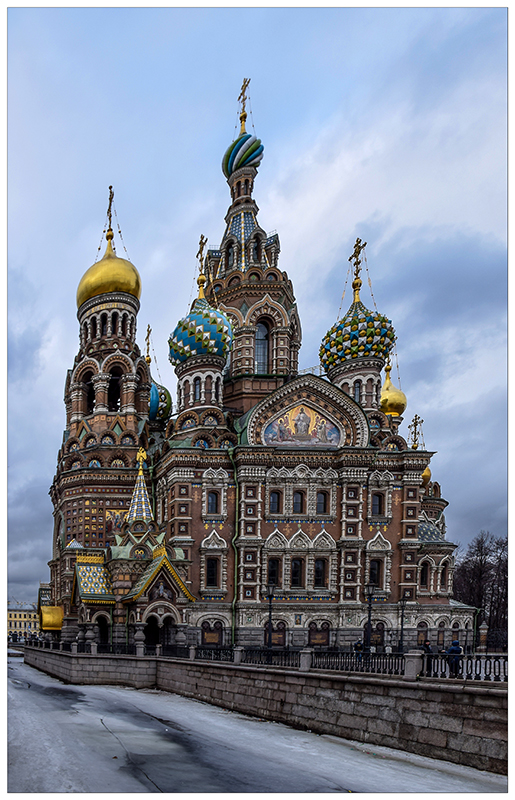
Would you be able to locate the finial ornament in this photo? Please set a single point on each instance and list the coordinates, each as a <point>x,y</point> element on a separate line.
<point>110,213</point>
<point>147,339</point>
<point>356,259</point>
<point>416,431</point>
<point>141,457</point>
<point>201,280</point>
<point>243,99</point>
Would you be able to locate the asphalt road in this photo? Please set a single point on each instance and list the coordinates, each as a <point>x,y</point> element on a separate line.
<point>93,739</point>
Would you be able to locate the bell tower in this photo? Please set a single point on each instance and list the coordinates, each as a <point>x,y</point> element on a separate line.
<point>245,282</point>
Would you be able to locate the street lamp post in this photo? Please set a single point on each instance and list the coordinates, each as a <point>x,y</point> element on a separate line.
<point>368,591</point>
<point>270,594</point>
<point>402,605</point>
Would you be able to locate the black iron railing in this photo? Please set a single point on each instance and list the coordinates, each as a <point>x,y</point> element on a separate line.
<point>266,657</point>
<point>374,663</point>
<point>214,653</point>
<point>476,667</point>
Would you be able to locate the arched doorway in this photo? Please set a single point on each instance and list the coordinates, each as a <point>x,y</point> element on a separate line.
<point>152,631</point>
<point>168,631</point>
<point>103,630</point>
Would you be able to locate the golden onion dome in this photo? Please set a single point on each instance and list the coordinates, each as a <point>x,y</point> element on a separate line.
<point>110,274</point>
<point>393,401</point>
<point>426,476</point>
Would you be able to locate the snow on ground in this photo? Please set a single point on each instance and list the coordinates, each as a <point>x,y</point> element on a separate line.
<point>109,739</point>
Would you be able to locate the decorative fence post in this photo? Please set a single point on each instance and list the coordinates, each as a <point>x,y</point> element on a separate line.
<point>483,637</point>
<point>412,665</point>
<point>193,650</point>
<point>305,659</point>
<point>238,653</point>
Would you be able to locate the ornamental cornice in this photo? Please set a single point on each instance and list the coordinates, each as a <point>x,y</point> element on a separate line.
<point>108,301</point>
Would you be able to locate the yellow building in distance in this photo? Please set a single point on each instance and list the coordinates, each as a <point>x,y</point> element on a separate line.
<point>22,620</point>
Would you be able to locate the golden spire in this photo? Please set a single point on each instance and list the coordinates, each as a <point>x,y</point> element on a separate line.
<point>200,256</point>
<point>356,258</point>
<point>147,339</point>
<point>416,431</point>
<point>243,99</point>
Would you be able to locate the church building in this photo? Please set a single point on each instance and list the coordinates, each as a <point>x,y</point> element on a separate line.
<point>174,523</point>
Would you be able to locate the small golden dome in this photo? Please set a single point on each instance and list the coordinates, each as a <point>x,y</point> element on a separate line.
<point>426,476</point>
<point>110,274</point>
<point>393,401</point>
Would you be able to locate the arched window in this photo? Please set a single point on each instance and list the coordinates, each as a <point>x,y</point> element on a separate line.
<point>320,579</point>
<point>238,189</point>
<point>321,502</point>
<point>114,324</point>
<point>273,570</point>
<point>298,502</point>
<point>212,503</point>
<point>103,325</point>
<point>85,331</point>
<point>421,633</point>
<point>256,251</point>
<point>443,577</point>
<point>262,337</point>
<point>375,571</point>
<point>424,574</point>
<point>230,255</point>
<point>297,572</point>
<point>357,391</point>
<point>93,327</point>
<point>114,389</point>
<point>275,502</point>
<point>377,505</point>
<point>124,325</point>
<point>246,186</point>
<point>218,398</point>
<point>211,572</point>
<point>196,389</point>
<point>89,391</point>
<point>441,635</point>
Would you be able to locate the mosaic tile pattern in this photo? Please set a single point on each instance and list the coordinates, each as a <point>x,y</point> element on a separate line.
<point>140,508</point>
<point>246,151</point>
<point>93,581</point>
<point>427,532</point>
<point>203,331</point>
<point>360,333</point>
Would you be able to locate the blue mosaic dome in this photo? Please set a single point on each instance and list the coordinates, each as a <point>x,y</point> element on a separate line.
<point>160,402</point>
<point>358,334</point>
<point>246,151</point>
<point>428,532</point>
<point>205,330</point>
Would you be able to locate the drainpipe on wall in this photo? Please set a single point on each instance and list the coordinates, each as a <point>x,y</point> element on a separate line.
<point>236,565</point>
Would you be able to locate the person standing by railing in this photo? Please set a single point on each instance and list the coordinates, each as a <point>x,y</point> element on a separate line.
<point>455,653</point>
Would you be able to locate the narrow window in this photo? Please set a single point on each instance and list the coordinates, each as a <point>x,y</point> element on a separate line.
<point>90,392</point>
<point>298,502</point>
<point>196,389</point>
<point>114,324</point>
<point>114,390</point>
<point>85,331</point>
<point>211,572</point>
<point>375,572</point>
<point>357,391</point>
<point>424,574</point>
<point>443,577</point>
<point>273,570</point>
<point>230,255</point>
<point>103,325</point>
<point>320,572</point>
<point>246,186</point>
<point>217,391</point>
<point>296,572</point>
<point>377,505</point>
<point>94,328</point>
<point>275,502</point>
<point>321,503</point>
<point>212,503</point>
<point>262,349</point>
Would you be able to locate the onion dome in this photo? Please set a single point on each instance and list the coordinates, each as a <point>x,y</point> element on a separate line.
<point>426,476</point>
<point>246,151</point>
<point>204,331</point>
<point>359,333</point>
<point>160,402</point>
<point>393,400</point>
<point>110,274</point>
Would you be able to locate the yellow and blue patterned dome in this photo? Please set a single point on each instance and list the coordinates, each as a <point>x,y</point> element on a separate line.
<point>204,331</point>
<point>246,151</point>
<point>359,334</point>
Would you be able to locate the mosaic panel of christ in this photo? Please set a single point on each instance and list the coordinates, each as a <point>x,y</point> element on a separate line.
<point>302,426</point>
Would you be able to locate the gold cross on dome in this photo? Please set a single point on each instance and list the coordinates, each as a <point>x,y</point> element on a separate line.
<point>243,94</point>
<point>356,256</point>
<point>110,206</point>
<point>415,429</point>
<point>200,255</point>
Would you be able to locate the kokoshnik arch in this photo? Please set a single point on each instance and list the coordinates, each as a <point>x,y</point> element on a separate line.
<point>170,522</point>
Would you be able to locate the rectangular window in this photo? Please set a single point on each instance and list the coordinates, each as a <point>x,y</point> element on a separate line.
<point>211,572</point>
<point>275,502</point>
<point>320,573</point>
<point>298,502</point>
<point>321,503</point>
<point>297,577</point>
<point>273,570</point>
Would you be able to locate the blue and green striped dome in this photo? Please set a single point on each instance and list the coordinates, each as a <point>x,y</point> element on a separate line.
<point>359,334</point>
<point>160,402</point>
<point>246,151</point>
<point>205,330</point>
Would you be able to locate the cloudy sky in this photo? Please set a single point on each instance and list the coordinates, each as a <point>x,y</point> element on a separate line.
<point>383,123</point>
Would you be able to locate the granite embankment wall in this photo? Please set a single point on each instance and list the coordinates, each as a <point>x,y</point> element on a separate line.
<point>449,720</point>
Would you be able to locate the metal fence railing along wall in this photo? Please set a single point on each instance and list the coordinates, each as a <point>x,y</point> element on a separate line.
<point>468,667</point>
<point>378,664</point>
<point>277,658</point>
